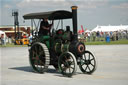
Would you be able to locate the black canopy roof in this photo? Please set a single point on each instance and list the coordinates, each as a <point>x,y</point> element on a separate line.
<point>52,15</point>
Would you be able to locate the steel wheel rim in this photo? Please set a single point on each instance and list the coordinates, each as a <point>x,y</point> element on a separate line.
<point>67,64</point>
<point>87,63</point>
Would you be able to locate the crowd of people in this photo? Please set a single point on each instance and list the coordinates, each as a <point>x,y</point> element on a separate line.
<point>101,36</point>
<point>87,36</point>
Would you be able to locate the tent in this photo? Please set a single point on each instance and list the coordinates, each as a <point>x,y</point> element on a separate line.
<point>110,28</point>
<point>1,32</point>
<point>87,31</point>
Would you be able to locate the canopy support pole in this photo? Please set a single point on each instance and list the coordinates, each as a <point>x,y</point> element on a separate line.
<point>32,26</point>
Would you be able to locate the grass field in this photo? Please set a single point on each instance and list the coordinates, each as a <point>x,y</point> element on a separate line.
<point>12,45</point>
<point>124,41</point>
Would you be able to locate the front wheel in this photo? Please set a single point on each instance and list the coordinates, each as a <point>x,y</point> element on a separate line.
<point>67,64</point>
<point>87,63</point>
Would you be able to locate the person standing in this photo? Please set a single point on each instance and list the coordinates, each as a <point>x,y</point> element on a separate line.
<point>2,39</point>
<point>10,39</point>
<point>94,36</point>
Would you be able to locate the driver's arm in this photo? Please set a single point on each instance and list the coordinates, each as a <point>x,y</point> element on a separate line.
<point>47,28</point>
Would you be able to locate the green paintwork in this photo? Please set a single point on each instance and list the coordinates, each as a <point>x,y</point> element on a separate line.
<point>65,47</point>
<point>66,36</point>
<point>58,47</point>
<point>46,40</point>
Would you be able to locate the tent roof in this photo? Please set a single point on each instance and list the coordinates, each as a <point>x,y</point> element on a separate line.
<point>1,32</point>
<point>51,15</point>
<point>110,28</point>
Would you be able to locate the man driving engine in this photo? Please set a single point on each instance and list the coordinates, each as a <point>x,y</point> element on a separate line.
<point>45,27</point>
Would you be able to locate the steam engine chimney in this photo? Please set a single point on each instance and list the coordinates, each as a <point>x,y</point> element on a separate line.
<point>74,20</point>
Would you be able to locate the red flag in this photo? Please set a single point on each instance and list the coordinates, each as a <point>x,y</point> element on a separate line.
<point>82,28</point>
<point>80,31</point>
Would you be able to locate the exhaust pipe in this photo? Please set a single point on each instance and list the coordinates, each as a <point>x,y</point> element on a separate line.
<point>74,20</point>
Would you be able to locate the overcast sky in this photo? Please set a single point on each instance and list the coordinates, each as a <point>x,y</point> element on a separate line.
<point>90,12</point>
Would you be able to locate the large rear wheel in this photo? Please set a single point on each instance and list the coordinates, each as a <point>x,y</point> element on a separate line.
<point>87,63</point>
<point>67,64</point>
<point>39,57</point>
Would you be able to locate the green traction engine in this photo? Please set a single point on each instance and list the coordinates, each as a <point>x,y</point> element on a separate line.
<point>61,48</point>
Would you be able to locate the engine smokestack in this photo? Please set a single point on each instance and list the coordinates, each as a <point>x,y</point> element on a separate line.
<point>74,20</point>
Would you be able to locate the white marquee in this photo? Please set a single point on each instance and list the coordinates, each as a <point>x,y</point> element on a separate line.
<point>110,28</point>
